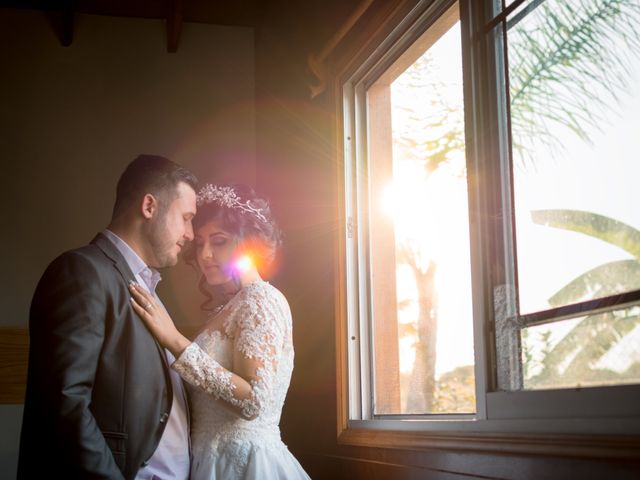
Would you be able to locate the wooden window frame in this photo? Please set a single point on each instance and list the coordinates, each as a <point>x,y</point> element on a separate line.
<point>574,422</point>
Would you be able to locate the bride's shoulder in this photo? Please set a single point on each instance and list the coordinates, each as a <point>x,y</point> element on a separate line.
<point>260,292</point>
<point>258,300</point>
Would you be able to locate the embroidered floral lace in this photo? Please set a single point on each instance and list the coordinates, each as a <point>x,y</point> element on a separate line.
<point>257,327</point>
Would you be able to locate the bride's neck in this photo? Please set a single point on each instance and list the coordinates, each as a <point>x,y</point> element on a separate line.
<point>233,286</point>
<point>230,288</point>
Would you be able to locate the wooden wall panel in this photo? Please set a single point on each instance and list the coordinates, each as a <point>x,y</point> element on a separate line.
<point>14,357</point>
<point>385,464</point>
<point>348,468</point>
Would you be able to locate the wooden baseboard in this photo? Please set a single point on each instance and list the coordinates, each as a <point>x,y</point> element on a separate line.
<point>14,358</point>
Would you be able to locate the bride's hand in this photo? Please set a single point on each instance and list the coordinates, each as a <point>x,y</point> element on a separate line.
<point>157,320</point>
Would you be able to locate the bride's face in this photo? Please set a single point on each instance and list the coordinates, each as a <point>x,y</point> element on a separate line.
<point>215,252</point>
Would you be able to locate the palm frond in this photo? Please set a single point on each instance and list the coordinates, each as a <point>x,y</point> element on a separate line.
<point>594,225</point>
<point>558,54</point>
<point>579,351</point>
<point>604,280</point>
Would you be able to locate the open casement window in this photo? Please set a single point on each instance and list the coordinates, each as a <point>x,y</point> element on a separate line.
<point>409,199</point>
<point>492,238</point>
<point>568,308</point>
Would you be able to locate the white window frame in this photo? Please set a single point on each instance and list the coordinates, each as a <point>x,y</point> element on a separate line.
<point>599,411</point>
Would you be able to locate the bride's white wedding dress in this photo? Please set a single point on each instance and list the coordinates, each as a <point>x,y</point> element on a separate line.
<point>256,324</point>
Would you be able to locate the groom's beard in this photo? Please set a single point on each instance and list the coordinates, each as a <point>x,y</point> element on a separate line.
<point>161,242</point>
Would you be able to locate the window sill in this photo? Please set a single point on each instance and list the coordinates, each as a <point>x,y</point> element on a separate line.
<point>556,445</point>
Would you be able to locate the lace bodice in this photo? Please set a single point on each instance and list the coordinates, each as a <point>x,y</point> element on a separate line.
<point>255,337</point>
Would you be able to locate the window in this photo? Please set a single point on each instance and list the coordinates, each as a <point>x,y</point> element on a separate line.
<point>573,97</point>
<point>492,243</point>
<point>416,185</point>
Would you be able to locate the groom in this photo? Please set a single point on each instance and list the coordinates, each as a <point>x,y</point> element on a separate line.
<point>101,400</point>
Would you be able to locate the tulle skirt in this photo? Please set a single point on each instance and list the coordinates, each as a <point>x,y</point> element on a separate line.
<point>246,460</point>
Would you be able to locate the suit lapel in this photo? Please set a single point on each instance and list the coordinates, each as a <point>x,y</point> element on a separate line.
<point>110,250</point>
<point>120,264</point>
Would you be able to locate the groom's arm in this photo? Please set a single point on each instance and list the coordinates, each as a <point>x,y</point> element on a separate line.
<point>67,328</point>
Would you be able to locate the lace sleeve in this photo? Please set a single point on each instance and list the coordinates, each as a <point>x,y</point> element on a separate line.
<point>257,345</point>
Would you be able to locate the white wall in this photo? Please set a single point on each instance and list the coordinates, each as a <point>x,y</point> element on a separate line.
<point>72,118</point>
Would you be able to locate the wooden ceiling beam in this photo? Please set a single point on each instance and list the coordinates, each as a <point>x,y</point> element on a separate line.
<point>67,23</point>
<point>174,24</point>
<point>61,18</point>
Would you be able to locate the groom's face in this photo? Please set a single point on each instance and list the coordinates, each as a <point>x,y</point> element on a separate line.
<point>171,228</point>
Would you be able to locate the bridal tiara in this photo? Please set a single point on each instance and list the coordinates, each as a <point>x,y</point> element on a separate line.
<point>227,197</point>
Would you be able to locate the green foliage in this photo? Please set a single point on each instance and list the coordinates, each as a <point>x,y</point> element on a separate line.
<point>455,391</point>
<point>597,226</point>
<point>567,62</point>
<point>431,134</point>
<point>607,279</point>
<point>574,359</point>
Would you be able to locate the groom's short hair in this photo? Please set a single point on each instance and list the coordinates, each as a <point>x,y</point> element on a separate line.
<point>150,174</point>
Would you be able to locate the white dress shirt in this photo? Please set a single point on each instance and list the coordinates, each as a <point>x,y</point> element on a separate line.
<point>172,457</point>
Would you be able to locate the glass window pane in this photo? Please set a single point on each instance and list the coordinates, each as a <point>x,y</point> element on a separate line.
<point>420,267</point>
<point>574,84</point>
<point>601,349</point>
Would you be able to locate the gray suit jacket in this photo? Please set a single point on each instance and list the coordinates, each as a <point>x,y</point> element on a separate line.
<point>98,387</point>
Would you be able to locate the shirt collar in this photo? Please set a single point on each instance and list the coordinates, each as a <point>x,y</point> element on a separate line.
<point>150,275</point>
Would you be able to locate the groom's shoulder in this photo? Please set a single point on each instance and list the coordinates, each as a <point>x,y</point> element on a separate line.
<point>90,252</point>
<point>86,257</point>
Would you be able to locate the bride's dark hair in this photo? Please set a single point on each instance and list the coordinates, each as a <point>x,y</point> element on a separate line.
<point>241,224</point>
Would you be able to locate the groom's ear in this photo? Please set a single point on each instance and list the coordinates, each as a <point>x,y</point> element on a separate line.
<point>149,206</point>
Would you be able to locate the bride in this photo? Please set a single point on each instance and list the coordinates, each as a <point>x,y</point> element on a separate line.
<point>239,367</point>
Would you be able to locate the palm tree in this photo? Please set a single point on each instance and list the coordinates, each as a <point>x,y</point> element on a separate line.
<point>576,358</point>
